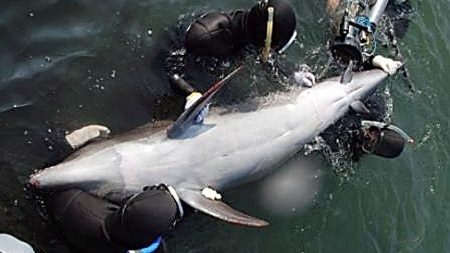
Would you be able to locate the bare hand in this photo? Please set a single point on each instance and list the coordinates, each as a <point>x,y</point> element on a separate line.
<point>304,77</point>
<point>386,64</point>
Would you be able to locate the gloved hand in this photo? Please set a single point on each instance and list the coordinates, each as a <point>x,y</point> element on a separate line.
<point>85,134</point>
<point>190,100</point>
<point>386,64</point>
<point>304,77</point>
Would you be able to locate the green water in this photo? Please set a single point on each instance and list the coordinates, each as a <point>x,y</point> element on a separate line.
<point>69,63</point>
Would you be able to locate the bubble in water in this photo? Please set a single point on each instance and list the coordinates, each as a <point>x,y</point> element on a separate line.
<point>113,73</point>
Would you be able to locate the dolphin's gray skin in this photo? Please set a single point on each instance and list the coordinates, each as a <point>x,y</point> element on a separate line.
<point>225,151</point>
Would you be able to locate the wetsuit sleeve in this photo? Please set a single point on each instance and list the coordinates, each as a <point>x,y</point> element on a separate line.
<point>367,64</point>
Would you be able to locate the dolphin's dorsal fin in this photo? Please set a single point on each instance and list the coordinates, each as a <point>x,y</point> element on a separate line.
<point>347,76</point>
<point>359,107</point>
<point>187,118</point>
<point>218,209</point>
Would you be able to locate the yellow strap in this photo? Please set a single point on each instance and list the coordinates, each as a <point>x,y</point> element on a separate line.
<point>266,50</point>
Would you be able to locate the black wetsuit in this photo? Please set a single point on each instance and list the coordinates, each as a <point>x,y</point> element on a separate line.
<point>81,218</point>
<point>92,224</point>
<point>217,34</point>
<point>223,34</point>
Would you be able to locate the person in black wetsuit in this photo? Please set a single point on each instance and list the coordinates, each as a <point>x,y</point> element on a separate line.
<point>93,224</point>
<point>223,34</point>
<point>355,24</point>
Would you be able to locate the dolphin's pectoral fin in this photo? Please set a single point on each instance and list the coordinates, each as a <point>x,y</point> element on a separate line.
<point>347,76</point>
<point>218,209</point>
<point>359,107</point>
<point>186,119</point>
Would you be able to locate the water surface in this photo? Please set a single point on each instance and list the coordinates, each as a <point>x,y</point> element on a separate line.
<point>65,64</point>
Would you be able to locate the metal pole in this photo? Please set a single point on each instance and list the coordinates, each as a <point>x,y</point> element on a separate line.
<point>377,11</point>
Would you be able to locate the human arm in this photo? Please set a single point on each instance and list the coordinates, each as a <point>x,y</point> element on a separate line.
<point>191,98</point>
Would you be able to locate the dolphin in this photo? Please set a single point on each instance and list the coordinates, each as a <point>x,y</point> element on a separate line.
<point>223,152</point>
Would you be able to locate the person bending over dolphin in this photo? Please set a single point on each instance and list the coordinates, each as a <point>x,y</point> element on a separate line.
<point>270,26</point>
<point>355,23</point>
<point>222,34</point>
<point>92,224</point>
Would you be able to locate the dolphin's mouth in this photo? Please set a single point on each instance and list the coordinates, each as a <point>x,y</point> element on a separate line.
<point>34,180</point>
